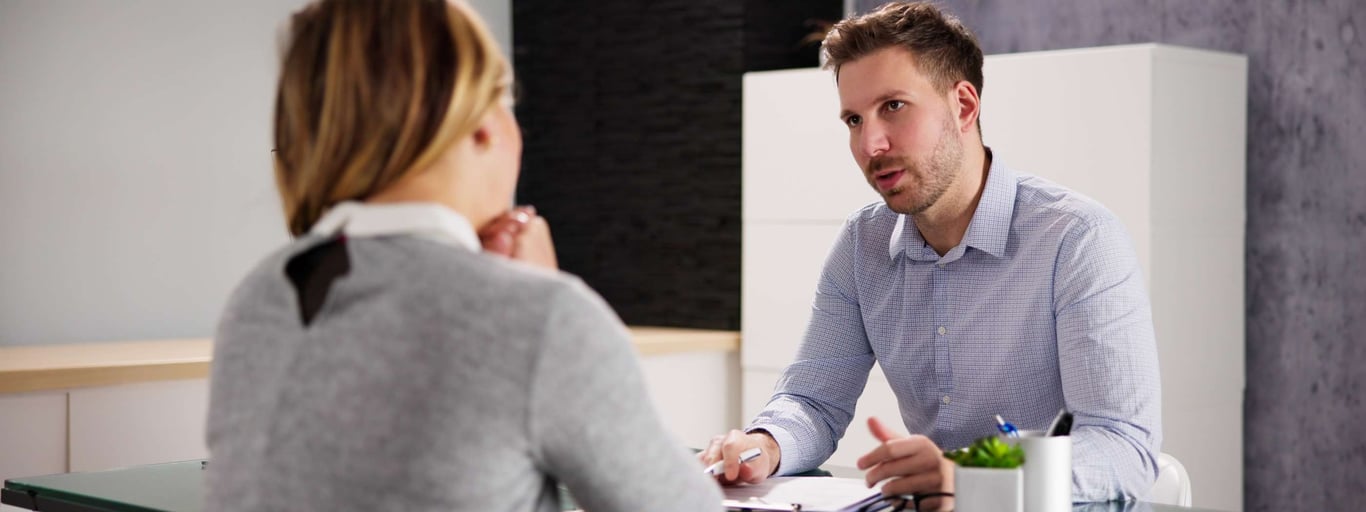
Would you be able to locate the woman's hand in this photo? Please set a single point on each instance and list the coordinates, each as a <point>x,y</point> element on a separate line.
<point>521,235</point>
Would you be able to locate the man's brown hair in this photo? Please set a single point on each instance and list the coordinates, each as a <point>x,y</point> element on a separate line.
<point>944,49</point>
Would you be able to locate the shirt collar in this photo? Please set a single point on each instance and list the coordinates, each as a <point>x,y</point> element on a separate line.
<point>988,230</point>
<point>427,220</point>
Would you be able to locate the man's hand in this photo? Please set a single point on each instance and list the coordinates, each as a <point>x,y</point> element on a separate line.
<point>728,448</point>
<point>521,235</point>
<point>914,465</point>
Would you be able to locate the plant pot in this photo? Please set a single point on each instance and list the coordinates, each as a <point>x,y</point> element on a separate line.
<point>988,489</point>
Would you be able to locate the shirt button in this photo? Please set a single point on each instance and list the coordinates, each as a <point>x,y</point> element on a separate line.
<point>946,400</point>
<point>940,265</point>
<point>943,330</point>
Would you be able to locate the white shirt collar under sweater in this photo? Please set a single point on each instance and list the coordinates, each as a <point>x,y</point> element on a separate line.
<point>427,220</point>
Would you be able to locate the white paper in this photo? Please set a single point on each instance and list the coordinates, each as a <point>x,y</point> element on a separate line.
<point>815,494</point>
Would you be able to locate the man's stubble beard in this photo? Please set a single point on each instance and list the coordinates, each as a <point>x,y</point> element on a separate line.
<point>942,166</point>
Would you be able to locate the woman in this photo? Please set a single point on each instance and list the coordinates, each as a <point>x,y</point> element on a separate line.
<point>383,361</point>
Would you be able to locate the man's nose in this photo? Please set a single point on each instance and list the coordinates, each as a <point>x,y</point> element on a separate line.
<point>873,141</point>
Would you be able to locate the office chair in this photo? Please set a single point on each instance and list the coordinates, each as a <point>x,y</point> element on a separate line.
<point>1173,484</point>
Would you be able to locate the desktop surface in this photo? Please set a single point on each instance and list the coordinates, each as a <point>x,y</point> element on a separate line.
<point>179,487</point>
<point>170,487</point>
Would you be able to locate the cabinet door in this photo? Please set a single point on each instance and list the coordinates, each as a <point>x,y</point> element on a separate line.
<point>781,267</point>
<point>133,424</point>
<point>695,393</point>
<point>32,434</point>
<point>796,163</point>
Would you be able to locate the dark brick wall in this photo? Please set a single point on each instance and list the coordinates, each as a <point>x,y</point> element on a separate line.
<point>631,115</point>
<point>776,32</point>
<point>1306,213</point>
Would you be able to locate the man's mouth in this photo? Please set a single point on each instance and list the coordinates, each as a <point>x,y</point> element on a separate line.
<point>887,178</point>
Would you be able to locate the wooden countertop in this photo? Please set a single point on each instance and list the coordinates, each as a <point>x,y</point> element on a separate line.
<point>651,341</point>
<point>51,367</point>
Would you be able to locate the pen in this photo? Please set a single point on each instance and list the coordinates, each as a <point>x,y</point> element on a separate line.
<point>745,456</point>
<point>1006,428</point>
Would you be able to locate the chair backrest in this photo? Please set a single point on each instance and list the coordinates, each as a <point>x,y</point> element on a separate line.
<point>1173,484</point>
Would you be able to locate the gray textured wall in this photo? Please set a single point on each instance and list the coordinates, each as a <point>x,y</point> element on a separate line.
<point>1306,177</point>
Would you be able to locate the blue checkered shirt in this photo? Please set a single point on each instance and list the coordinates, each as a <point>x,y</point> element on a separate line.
<point>1041,306</point>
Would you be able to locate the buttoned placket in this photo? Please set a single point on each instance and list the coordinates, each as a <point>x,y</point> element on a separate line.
<point>943,362</point>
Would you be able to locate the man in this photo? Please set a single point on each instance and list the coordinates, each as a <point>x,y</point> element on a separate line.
<point>977,289</point>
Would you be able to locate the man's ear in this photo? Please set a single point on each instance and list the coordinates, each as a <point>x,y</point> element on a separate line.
<point>967,105</point>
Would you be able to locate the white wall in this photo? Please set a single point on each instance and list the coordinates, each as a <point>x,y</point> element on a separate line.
<point>135,178</point>
<point>498,15</point>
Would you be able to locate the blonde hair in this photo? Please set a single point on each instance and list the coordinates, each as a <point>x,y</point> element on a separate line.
<point>373,90</point>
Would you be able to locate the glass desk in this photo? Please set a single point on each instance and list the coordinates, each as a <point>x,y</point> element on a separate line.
<point>170,487</point>
<point>179,487</point>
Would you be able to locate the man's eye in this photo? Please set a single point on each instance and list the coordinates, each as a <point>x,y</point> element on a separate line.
<point>853,121</point>
<point>895,105</point>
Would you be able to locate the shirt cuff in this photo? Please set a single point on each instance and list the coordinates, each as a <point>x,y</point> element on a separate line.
<point>787,447</point>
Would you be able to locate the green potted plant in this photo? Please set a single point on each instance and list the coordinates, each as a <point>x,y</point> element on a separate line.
<point>987,476</point>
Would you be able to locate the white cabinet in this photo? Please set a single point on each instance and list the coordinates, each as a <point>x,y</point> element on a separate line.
<point>1156,133</point>
<point>97,428</point>
<point>695,392</point>
<point>32,434</point>
<point>108,405</point>
<point>133,424</point>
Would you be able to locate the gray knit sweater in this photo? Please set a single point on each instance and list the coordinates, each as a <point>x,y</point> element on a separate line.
<point>435,378</point>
